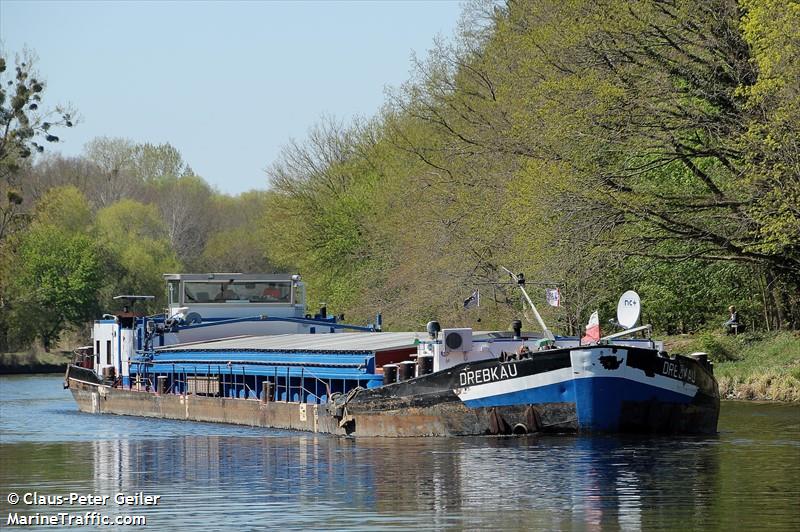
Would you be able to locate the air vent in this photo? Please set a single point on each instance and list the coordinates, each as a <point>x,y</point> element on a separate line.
<point>458,340</point>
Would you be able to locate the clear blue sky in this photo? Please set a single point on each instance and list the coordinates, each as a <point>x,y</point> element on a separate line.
<point>227,83</point>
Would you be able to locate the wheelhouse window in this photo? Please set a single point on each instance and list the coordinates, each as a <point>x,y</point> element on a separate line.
<point>221,291</point>
<point>173,292</point>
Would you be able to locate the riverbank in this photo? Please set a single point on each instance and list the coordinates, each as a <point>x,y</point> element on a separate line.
<point>750,366</point>
<point>34,361</point>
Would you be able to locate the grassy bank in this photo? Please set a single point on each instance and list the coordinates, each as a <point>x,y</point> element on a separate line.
<point>754,366</point>
<point>34,361</point>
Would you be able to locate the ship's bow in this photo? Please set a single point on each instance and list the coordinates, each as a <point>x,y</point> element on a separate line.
<point>641,390</point>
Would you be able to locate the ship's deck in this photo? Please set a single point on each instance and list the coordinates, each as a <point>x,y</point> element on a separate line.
<point>305,343</point>
<point>307,366</point>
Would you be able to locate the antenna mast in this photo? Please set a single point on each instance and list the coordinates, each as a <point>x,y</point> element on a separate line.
<point>520,280</point>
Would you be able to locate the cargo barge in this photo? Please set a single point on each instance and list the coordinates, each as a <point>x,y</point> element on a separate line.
<point>441,382</point>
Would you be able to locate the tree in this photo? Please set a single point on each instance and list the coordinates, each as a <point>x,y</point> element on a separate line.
<point>653,114</point>
<point>57,270</point>
<point>24,128</point>
<point>771,165</point>
<point>116,178</point>
<point>236,242</point>
<point>185,206</point>
<point>65,208</point>
<point>56,284</point>
<point>235,250</point>
<point>155,162</point>
<point>136,241</point>
<point>52,170</point>
<point>318,219</point>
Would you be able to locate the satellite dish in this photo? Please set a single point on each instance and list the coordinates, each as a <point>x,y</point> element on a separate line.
<point>628,309</point>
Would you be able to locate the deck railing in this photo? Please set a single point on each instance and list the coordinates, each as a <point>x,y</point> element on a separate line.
<point>238,383</point>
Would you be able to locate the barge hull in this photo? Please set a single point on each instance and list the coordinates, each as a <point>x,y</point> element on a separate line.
<point>450,418</point>
<point>432,405</point>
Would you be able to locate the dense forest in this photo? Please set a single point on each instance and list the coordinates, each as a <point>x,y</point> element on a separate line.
<point>596,146</point>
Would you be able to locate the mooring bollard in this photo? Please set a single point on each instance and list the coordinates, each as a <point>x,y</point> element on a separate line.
<point>389,373</point>
<point>162,385</point>
<point>406,370</point>
<point>424,365</point>
<point>266,392</point>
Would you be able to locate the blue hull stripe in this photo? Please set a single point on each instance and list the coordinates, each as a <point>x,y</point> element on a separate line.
<point>560,392</point>
<point>598,400</point>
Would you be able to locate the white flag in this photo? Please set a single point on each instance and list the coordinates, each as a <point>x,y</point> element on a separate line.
<point>553,297</point>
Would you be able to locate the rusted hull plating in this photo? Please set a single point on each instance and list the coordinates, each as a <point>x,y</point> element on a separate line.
<point>451,418</point>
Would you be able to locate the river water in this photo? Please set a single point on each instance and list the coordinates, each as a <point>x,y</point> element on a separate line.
<point>221,477</point>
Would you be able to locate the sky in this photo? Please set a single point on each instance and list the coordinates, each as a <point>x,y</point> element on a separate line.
<point>227,83</point>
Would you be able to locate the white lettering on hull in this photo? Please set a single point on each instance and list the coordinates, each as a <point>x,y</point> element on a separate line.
<point>678,371</point>
<point>487,375</point>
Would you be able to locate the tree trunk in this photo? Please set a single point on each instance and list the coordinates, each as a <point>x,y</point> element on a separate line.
<point>763,286</point>
<point>775,314</point>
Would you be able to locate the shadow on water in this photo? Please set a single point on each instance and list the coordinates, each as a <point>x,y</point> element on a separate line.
<point>218,476</point>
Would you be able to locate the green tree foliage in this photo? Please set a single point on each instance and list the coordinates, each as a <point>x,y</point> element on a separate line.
<point>57,283</point>
<point>156,162</point>
<point>184,204</point>
<point>238,250</point>
<point>638,108</point>
<point>25,127</point>
<point>597,145</point>
<point>323,216</point>
<point>603,145</point>
<point>236,240</point>
<point>65,208</point>
<point>139,251</point>
<point>114,178</point>
<point>58,270</point>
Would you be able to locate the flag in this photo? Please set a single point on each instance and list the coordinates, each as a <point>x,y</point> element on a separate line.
<point>553,297</point>
<point>592,330</point>
<point>473,301</point>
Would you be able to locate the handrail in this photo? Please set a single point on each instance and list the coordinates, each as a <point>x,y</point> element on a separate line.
<point>318,379</point>
<point>264,317</point>
<point>290,363</point>
<point>627,332</point>
<point>288,387</point>
<point>228,380</point>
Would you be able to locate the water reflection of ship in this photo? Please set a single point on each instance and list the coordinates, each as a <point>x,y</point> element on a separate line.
<point>593,483</point>
<point>281,469</point>
<point>554,482</point>
<point>113,466</point>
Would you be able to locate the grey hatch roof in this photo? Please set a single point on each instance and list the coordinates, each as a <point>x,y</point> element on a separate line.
<point>350,342</point>
<point>224,276</point>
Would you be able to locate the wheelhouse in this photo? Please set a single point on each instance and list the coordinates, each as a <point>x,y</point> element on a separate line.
<point>228,295</point>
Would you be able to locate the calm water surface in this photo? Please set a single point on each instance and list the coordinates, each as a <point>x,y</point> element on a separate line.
<point>219,477</point>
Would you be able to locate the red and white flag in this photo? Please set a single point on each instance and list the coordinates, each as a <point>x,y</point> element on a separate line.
<point>592,330</point>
